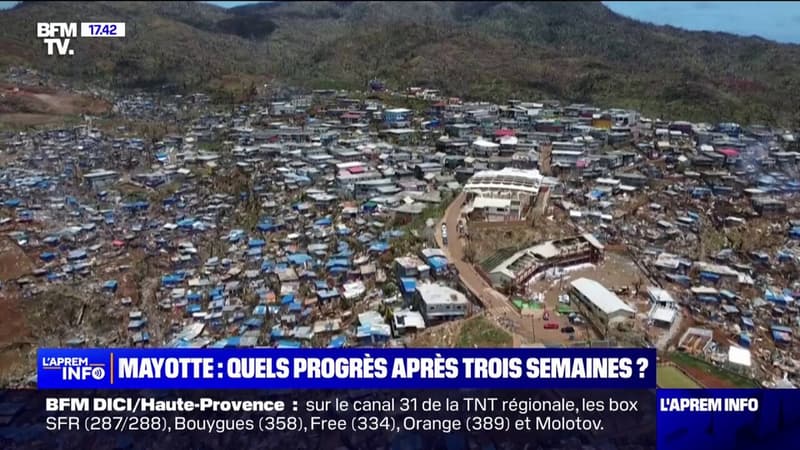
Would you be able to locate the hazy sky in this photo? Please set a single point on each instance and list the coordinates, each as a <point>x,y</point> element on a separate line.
<point>779,21</point>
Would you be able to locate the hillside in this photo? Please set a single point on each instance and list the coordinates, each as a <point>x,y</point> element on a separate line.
<point>573,51</point>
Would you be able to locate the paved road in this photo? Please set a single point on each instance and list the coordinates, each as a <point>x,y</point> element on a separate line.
<point>497,305</point>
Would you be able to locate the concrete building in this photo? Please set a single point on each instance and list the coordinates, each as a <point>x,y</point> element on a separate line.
<point>439,303</point>
<point>601,307</point>
<point>101,179</point>
<point>505,183</point>
<point>521,266</point>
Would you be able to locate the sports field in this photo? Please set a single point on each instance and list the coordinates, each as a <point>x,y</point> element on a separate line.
<point>670,377</point>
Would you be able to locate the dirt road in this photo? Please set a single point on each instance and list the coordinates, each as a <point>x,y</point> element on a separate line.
<point>497,305</point>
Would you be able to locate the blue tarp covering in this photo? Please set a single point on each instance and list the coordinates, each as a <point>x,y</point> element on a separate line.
<point>379,247</point>
<point>337,342</point>
<point>186,223</point>
<point>169,280</point>
<point>709,276</point>
<point>254,322</point>
<point>437,263</point>
<point>76,254</point>
<point>777,297</point>
<point>299,258</point>
<point>289,344</point>
<point>12,203</point>
<point>597,194</point>
<point>744,340</point>
<point>781,336</point>
<point>252,243</point>
<point>683,280</point>
<point>408,285</point>
<point>338,262</point>
<point>327,294</point>
<point>110,285</point>
<point>288,298</point>
<point>47,256</point>
<point>324,222</point>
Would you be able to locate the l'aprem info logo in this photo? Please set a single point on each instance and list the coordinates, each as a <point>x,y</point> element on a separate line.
<point>79,369</point>
<point>58,36</point>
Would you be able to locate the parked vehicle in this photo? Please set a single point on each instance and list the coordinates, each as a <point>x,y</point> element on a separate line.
<point>568,329</point>
<point>551,326</point>
<point>546,316</point>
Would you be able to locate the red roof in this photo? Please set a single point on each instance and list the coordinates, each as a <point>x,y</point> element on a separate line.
<point>117,243</point>
<point>357,169</point>
<point>730,152</point>
<point>503,132</point>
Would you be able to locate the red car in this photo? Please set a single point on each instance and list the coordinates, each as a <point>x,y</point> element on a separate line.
<point>546,316</point>
<point>551,326</point>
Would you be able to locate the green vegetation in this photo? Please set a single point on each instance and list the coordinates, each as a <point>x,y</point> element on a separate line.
<point>727,376</point>
<point>481,332</point>
<point>670,377</point>
<point>579,52</point>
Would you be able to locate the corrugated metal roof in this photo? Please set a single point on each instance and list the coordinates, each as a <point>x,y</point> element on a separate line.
<point>607,301</point>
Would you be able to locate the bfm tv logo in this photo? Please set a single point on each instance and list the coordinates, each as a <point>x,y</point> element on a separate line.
<point>78,369</point>
<point>56,36</point>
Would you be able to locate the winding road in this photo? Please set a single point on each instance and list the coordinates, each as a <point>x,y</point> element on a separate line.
<point>497,305</point>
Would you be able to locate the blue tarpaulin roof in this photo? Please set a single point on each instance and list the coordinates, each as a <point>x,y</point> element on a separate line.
<point>337,342</point>
<point>76,254</point>
<point>256,243</point>
<point>110,284</point>
<point>289,344</point>
<point>437,262</point>
<point>324,222</point>
<point>47,256</point>
<point>337,262</point>
<point>408,285</point>
<point>299,258</point>
<point>288,298</point>
<point>709,276</point>
<point>327,294</point>
<point>264,227</point>
<point>379,247</point>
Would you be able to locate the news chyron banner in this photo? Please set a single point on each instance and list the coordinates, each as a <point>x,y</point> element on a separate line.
<point>381,399</point>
